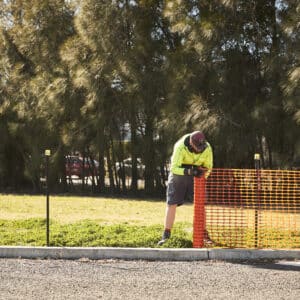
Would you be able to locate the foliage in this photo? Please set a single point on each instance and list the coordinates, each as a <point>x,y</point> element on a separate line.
<point>87,76</point>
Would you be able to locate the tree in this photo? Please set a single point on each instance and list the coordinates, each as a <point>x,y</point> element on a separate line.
<point>31,36</point>
<point>241,51</point>
<point>291,79</point>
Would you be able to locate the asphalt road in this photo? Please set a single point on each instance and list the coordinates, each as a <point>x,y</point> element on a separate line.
<point>116,279</point>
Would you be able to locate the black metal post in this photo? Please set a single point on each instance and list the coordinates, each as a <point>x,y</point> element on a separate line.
<point>47,154</point>
<point>258,190</point>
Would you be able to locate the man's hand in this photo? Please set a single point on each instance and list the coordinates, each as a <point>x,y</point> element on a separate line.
<point>195,171</point>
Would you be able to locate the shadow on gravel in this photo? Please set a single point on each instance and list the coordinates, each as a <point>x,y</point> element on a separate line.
<point>280,266</point>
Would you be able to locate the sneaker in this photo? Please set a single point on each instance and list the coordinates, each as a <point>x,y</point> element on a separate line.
<point>166,235</point>
<point>207,240</point>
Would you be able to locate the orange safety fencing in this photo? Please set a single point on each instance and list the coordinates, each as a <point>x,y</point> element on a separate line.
<point>247,208</point>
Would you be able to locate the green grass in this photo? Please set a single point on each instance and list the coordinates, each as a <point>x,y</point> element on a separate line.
<point>90,221</point>
<point>96,221</point>
<point>241,237</point>
<point>88,233</point>
<point>66,209</point>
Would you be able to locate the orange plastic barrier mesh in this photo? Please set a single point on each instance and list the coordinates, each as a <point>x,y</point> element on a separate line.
<point>248,208</point>
<point>199,212</point>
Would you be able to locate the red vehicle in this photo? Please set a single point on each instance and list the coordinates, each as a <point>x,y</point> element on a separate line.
<point>74,167</point>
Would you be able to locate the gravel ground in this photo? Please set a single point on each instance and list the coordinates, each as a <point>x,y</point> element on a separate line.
<point>116,279</point>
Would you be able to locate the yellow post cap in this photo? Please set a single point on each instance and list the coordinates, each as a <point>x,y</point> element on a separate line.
<point>47,152</point>
<point>257,156</point>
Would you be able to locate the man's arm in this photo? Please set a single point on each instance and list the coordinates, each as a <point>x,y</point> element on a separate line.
<point>208,161</point>
<point>176,160</point>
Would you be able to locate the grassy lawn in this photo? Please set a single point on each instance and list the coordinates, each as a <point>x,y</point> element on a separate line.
<point>101,210</point>
<point>90,221</point>
<point>98,221</point>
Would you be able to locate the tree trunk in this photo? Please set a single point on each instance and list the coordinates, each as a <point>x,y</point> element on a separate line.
<point>134,174</point>
<point>149,156</point>
<point>101,148</point>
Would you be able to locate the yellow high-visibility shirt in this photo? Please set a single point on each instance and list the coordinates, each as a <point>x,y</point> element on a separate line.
<point>182,156</point>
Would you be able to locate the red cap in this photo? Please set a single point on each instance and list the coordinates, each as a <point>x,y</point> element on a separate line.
<point>198,141</point>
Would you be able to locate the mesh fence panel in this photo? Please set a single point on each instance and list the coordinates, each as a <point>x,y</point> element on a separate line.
<point>251,208</point>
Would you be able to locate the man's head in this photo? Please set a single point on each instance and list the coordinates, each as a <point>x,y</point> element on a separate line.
<point>198,141</point>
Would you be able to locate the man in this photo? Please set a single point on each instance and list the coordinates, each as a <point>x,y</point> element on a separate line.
<point>192,156</point>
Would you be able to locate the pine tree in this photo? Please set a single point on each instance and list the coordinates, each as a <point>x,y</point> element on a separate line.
<point>32,32</point>
<point>291,81</point>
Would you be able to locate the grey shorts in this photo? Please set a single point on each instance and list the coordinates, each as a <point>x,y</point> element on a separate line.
<point>180,189</point>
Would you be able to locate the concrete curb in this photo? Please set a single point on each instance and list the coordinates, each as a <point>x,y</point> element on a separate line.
<point>253,254</point>
<point>163,254</point>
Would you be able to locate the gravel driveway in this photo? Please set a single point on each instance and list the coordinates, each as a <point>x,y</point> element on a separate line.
<point>115,279</point>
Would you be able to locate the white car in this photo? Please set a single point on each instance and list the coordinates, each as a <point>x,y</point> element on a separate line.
<point>126,165</point>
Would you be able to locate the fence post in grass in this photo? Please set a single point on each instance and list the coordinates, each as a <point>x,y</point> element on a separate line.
<point>47,155</point>
<point>258,196</point>
<point>199,212</point>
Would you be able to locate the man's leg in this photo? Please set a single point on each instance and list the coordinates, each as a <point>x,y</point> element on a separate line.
<point>175,197</point>
<point>170,216</point>
<point>169,221</point>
